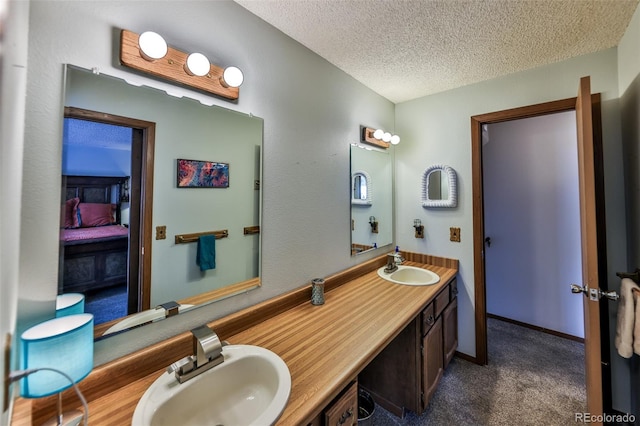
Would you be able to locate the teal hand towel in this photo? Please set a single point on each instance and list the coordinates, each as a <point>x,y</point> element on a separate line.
<point>206,256</point>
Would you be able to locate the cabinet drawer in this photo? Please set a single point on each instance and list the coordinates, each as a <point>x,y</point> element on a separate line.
<point>344,410</point>
<point>428,318</point>
<point>441,302</point>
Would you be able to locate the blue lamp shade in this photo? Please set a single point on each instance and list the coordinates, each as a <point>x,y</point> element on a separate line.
<point>69,304</point>
<point>64,343</point>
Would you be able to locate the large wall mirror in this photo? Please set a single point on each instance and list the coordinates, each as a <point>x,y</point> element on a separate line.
<point>371,198</point>
<point>121,147</point>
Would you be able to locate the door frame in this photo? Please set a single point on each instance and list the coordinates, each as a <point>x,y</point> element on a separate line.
<point>546,108</point>
<point>140,193</point>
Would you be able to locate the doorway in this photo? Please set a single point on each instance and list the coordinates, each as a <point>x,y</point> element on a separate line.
<point>587,108</point>
<point>140,200</point>
<point>532,222</point>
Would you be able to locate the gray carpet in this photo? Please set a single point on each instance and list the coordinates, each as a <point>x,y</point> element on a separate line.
<point>532,378</point>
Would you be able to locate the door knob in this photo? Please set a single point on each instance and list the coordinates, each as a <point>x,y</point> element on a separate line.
<point>575,288</point>
<point>488,241</point>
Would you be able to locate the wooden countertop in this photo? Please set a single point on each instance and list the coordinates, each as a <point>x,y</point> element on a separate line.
<point>325,347</point>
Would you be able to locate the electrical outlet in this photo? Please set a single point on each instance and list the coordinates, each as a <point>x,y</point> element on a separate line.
<point>161,232</point>
<point>454,234</point>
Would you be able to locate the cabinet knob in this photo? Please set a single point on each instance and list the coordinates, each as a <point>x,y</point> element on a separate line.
<point>345,416</point>
<point>430,319</point>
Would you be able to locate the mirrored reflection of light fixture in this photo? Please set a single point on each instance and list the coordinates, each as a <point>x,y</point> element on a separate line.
<point>197,64</point>
<point>232,77</point>
<point>55,355</point>
<point>417,224</point>
<point>69,304</point>
<point>374,224</point>
<point>152,46</point>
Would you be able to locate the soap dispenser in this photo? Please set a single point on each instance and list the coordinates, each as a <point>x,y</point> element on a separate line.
<point>397,257</point>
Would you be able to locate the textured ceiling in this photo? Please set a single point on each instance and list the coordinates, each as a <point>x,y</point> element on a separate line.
<point>405,49</point>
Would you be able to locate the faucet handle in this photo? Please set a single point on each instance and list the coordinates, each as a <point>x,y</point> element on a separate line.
<point>178,367</point>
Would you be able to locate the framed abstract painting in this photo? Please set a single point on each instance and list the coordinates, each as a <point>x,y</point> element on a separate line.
<point>202,174</point>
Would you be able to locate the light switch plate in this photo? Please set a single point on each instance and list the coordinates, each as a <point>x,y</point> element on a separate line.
<point>454,234</point>
<point>161,232</point>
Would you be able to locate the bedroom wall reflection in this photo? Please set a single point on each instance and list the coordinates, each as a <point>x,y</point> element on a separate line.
<point>371,217</point>
<point>102,156</point>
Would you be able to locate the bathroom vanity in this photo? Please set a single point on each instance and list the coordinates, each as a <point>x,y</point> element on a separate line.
<point>326,347</point>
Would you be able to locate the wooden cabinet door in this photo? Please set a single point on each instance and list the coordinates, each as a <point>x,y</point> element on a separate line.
<point>432,361</point>
<point>450,330</point>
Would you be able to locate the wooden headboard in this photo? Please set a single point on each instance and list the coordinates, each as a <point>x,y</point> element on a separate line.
<point>95,189</point>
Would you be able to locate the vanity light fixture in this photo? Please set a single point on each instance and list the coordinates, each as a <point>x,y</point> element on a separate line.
<point>419,227</point>
<point>374,224</point>
<point>378,137</point>
<point>152,46</point>
<point>232,77</point>
<point>192,70</point>
<point>197,64</point>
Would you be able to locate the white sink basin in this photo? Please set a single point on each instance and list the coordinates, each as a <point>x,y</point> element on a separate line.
<point>410,275</point>
<point>251,387</point>
<point>142,318</point>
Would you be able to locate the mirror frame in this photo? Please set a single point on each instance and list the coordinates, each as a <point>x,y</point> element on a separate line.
<point>362,202</point>
<point>452,200</point>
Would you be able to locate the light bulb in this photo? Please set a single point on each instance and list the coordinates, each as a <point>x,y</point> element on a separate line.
<point>152,46</point>
<point>395,140</point>
<point>232,77</point>
<point>197,64</point>
<point>378,134</point>
<point>386,137</point>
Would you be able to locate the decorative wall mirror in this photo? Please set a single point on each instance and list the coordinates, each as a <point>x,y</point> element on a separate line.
<point>439,187</point>
<point>367,233</point>
<point>361,188</point>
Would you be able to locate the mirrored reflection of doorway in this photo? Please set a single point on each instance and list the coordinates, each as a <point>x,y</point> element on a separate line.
<point>102,179</point>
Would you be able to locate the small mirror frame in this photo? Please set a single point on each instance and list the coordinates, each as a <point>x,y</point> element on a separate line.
<point>452,201</point>
<point>367,201</point>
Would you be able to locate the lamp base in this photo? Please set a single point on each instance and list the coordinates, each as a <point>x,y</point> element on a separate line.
<point>68,418</point>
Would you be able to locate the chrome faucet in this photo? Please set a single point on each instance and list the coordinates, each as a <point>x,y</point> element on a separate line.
<point>207,353</point>
<point>391,263</point>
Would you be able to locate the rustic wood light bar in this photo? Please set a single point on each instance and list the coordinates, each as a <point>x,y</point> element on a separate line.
<point>192,238</point>
<point>367,137</point>
<point>171,67</point>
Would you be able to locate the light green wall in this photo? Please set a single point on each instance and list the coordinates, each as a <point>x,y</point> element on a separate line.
<point>436,129</point>
<point>311,110</point>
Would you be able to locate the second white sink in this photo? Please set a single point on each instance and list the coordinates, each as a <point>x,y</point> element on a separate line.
<point>251,387</point>
<point>410,275</point>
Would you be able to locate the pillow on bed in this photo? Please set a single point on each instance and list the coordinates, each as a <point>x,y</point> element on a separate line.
<point>96,214</point>
<point>71,219</point>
